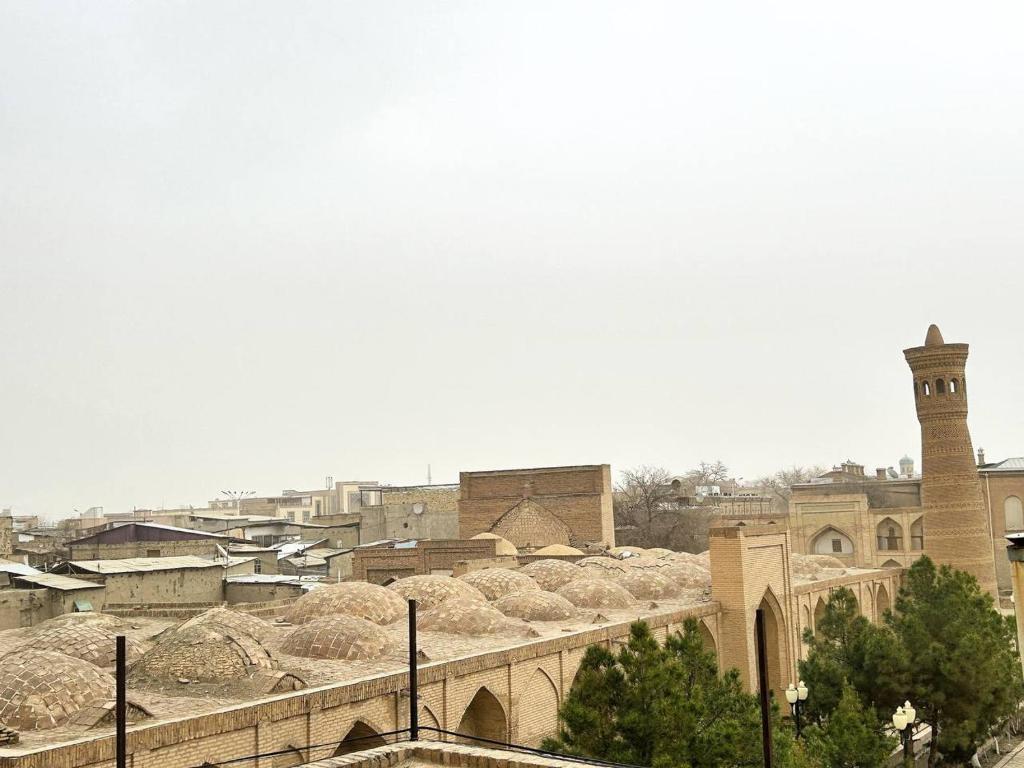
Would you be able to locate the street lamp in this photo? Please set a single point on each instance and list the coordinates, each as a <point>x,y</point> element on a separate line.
<point>796,695</point>
<point>903,721</point>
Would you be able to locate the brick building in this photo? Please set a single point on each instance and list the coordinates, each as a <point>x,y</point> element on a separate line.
<point>122,540</point>
<point>573,503</point>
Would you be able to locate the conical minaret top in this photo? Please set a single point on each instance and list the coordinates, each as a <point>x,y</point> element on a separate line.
<point>956,525</point>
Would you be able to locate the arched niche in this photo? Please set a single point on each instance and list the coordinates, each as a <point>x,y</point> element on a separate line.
<point>359,737</point>
<point>889,535</point>
<point>831,541</point>
<point>484,718</point>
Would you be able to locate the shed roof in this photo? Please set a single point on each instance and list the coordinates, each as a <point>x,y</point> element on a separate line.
<point>56,581</point>
<point>141,564</point>
<point>20,569</point>
<point>1006,465</point>
<point>157,530</point>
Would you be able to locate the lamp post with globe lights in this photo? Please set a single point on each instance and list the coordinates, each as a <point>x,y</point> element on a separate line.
<point>796,695</point>
<point>903,721</point>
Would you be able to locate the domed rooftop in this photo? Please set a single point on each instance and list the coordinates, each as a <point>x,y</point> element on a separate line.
<point>645,562</point>
<point>536,606</point>
<point>95,618</point>
<point>503,548</point>
<point>462,616</point>
<point>86,641</point>
<point>230,619</point>
<point>431,591</point>
<point>659,552</point>
<point>44,689</point>
<point>349,598</point>
<point>558,549</point>
<point>624,552</point>
<point>648,584</point>
<point>552,574</point>
<point>498,582</point>
<point>596,593</point>
<point>204,653</point>
<point>338,637</point>
<point>599,566</point>
<point>815,567</point>
<point>690,575</point>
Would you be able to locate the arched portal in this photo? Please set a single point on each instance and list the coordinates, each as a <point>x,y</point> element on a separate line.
<point>819,613</point>
<point>429,720</point>
<point>805,615</point>
<point>707,639</point>
<point>917,534</point>
<point>484,718</point>
<point>881,602</point>
<point>359,737</point>
<point>537,710</point>
<point>889,535</point>
<point>774,634</point>
<point>832,541</point>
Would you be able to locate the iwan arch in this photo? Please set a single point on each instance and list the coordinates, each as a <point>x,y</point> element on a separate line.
<point>509,691</point>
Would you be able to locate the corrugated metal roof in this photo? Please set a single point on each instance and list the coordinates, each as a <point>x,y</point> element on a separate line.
<point>9,566</point>
<point>155,526</point>
<point>56,581</point>
<point>1015,463</point>
<point>262,578</point>
<point>144,564</point>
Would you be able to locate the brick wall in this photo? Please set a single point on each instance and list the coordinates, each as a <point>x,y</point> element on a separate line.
<point>380,564</point>
<point>92,551</point>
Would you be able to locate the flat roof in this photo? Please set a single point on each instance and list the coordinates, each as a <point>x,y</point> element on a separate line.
<point>157,526</point>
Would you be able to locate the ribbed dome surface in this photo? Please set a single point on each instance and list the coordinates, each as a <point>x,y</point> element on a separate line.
<point>558,549</point>
<point>498,582</point>
<point>88,642</point>
<point>659,552</point>
<point>601,567</point>
<point>431,591</point>
<point>687,575</point>
<point>464,616</point>
<point>648,584</point>
<point>536,606</point>
<point>596,593</point>
<point>206,653</point>
<point>552,574</point>
<point>338,637</point>
<point>236,620</point>
<point>43,689</point>
<point>503,547</point>
<point>349,598</point>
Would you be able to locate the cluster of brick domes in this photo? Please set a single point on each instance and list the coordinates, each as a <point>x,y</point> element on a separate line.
<point>349,598</point>
<point>338,637</point>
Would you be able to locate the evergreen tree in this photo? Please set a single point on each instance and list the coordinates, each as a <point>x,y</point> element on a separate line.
<point>965,675</point>
<point>852,737</point>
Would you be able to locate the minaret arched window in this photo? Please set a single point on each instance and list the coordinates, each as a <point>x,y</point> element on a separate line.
<point>940,387</point>
<point>953,386</point>
<point>926,388</point>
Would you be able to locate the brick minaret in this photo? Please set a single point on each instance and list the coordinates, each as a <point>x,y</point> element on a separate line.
<point>956,526</point>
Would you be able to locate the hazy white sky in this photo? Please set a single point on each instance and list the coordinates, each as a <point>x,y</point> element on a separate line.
<point>248,245</point>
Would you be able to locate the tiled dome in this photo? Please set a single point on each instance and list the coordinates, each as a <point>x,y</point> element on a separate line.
<point>536,606</point>
<point>431,591</point>
<point>462,616</point>
<point>552,574</point>
<point>596,593</point>
<point>206,653</point>
<point>498,582</point>
<point>236,620</point>
<point>648,584</point>
<point>349,598</point>
<point>338,637</point>
<point>43,689</point>
<point>88,642</point>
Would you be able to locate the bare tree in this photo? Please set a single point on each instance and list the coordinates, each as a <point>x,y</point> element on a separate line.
<point>708,473</point>
<point>642,493</point>
<point>780,484</point>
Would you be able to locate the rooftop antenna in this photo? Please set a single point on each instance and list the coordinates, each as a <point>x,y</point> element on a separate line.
<point>428,474</point>
<point>329,480</point>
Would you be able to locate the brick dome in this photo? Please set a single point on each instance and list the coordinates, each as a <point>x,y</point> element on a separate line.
<point>94,618</point>
<point>648,584</point>
<point>503,547</point>
<point>552,574</point>
<point>645,562</point>
<point>687,575</point>
<point>602,567</point>
<point>626,552</point>
<point>338,637</point>
<point>349,598</point>
<point>596,593</point>
<point>44,689</point>
<point>431,591</point>
<point>204,653</point>
<point>465,616</point>
<point>558,549</point>
<point>85,641</point>
<point>536,606</point>
<point>230,619</point>
<point>659,552</point>
<point>498,582</point>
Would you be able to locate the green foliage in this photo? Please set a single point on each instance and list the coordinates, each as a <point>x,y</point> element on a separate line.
<point>965,676</point>
<point>852,737</point>
<point>665,706</point>
<point>846,648</point>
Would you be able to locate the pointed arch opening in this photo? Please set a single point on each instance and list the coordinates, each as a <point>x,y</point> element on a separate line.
<point>831,541</point>
<point>917,534</point>
<point>774,633</point>
<point>537,710</point>
<point>940,387</point>
<point>707,639</point>
<point>819,612</point>
<point>889,535</point>
<point>429,720</point>
<point>484,718</point>
<point>926,388</point>
<point>359,737</point>
<point>882,602</point>
<point>289,757</point>
<point>892,564</point>
<point>1013,513</point>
